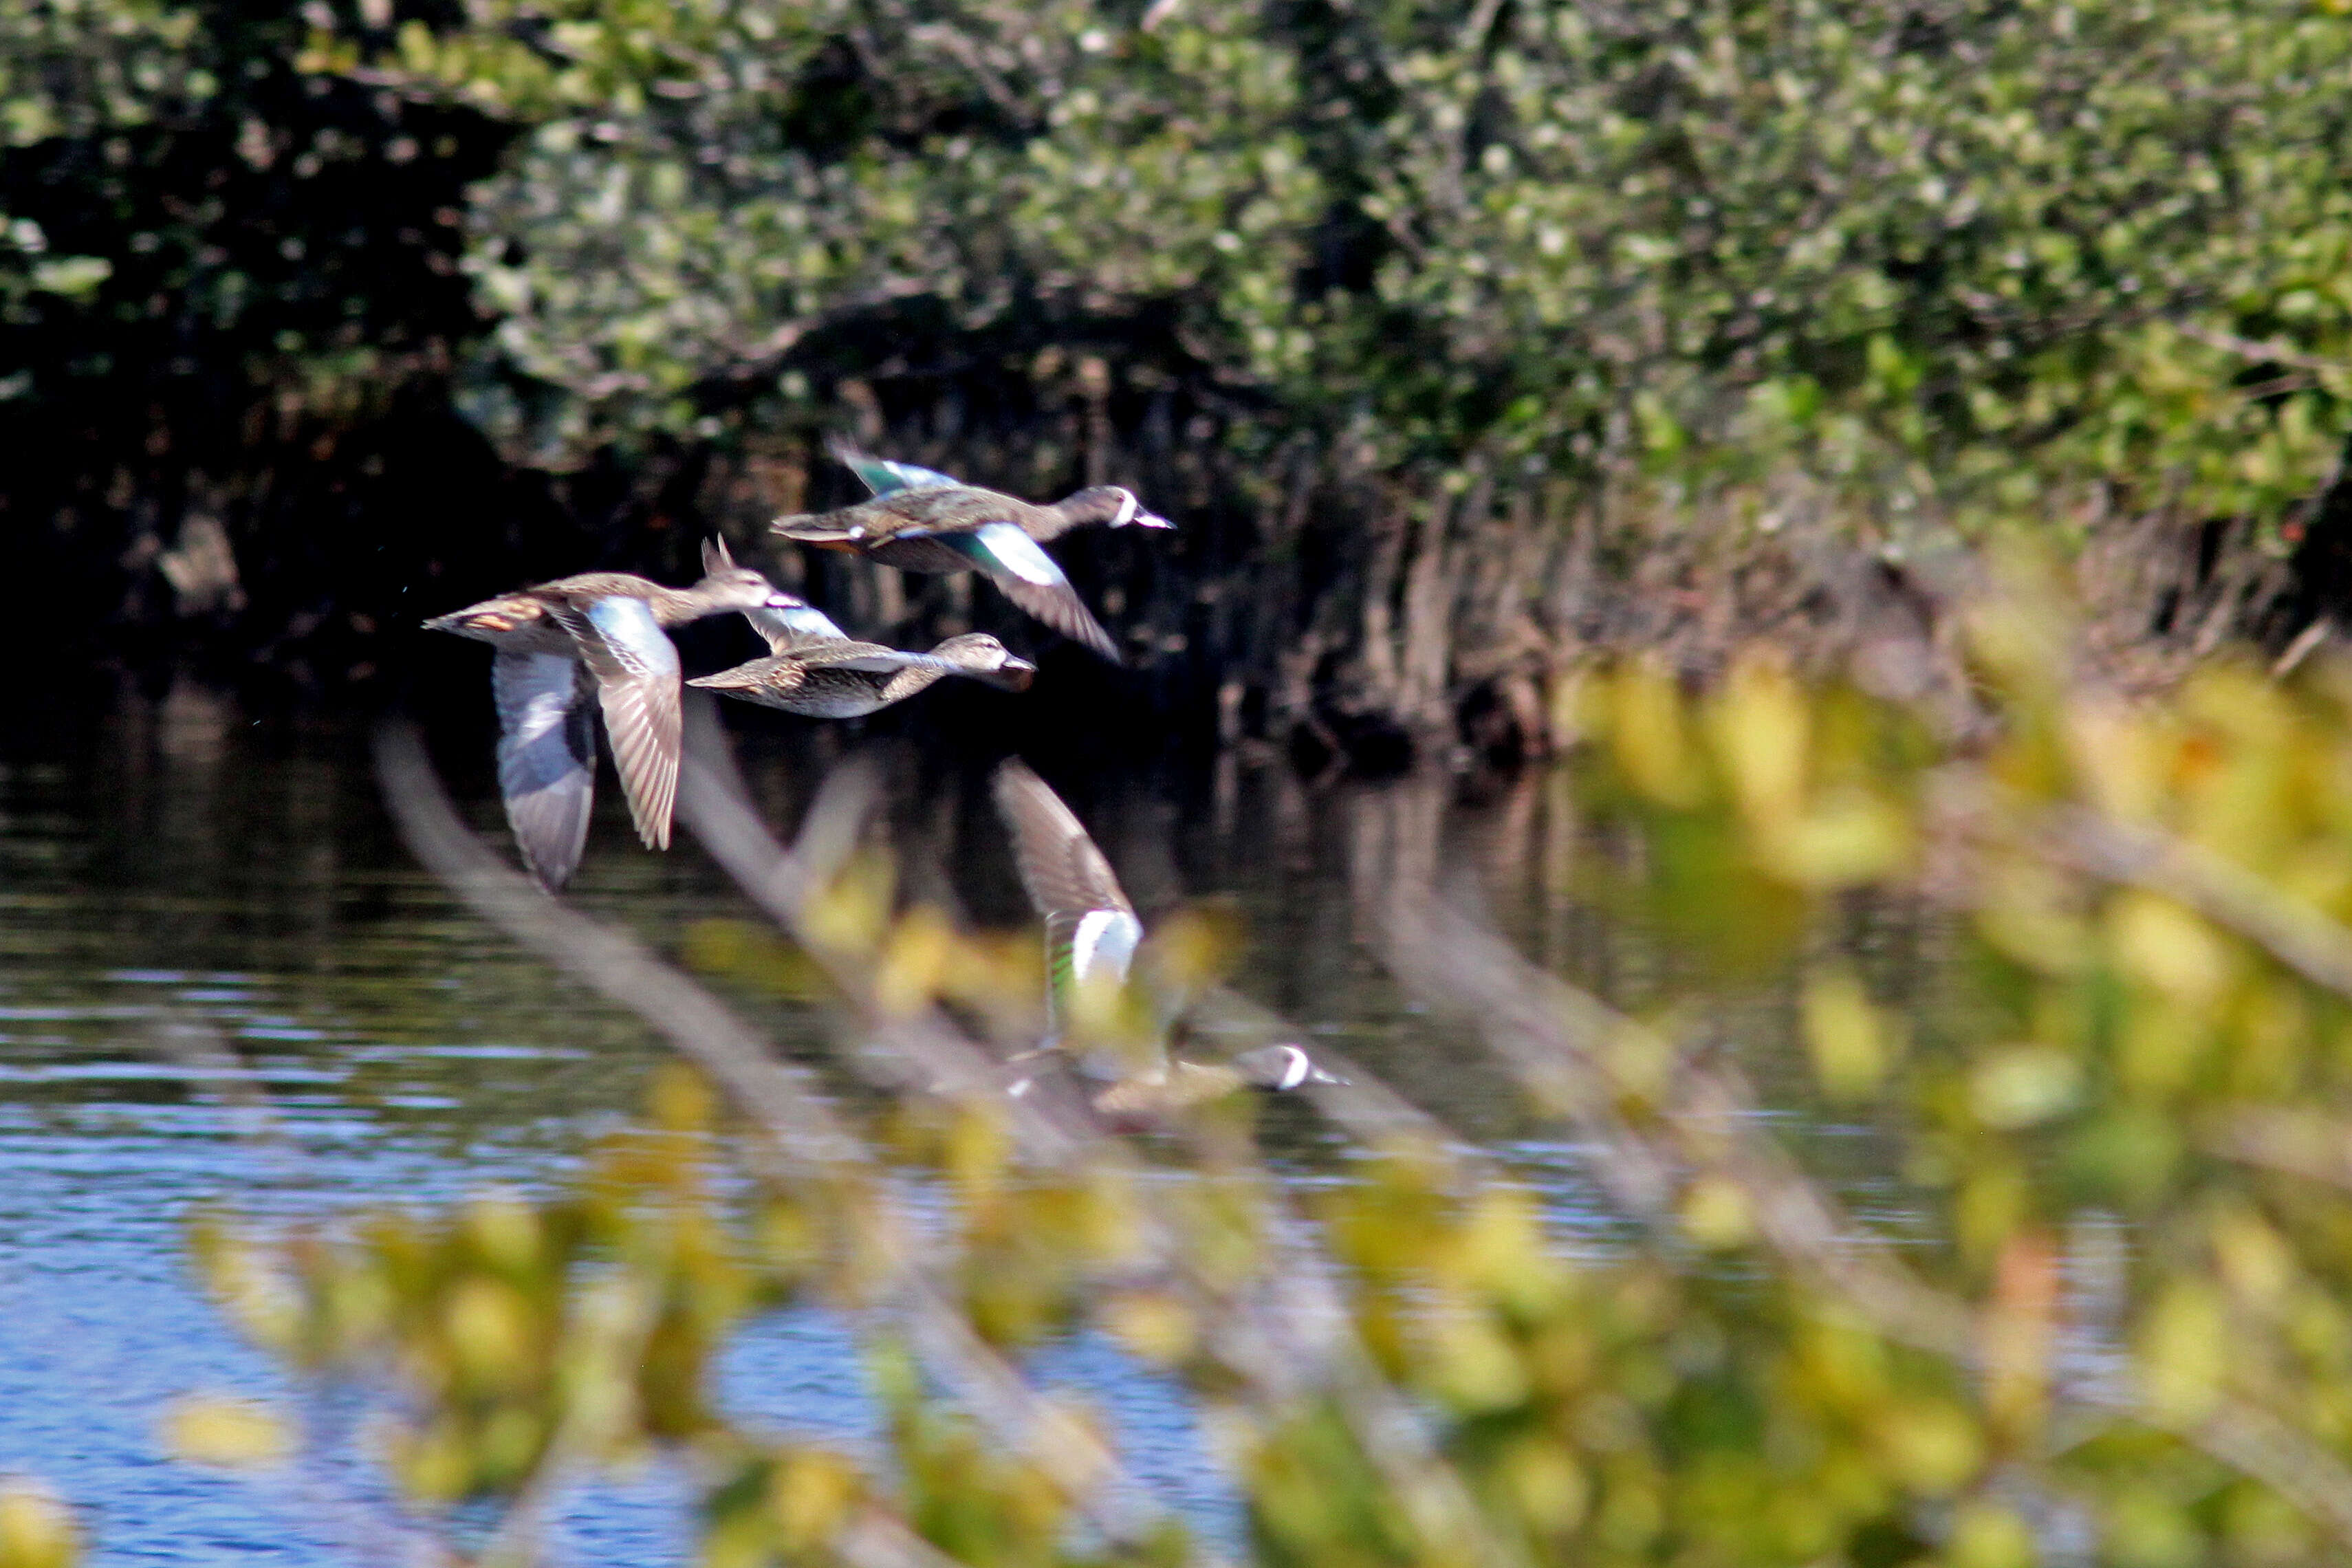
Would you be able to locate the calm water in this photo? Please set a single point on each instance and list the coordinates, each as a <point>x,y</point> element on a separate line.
<point>180,865</point>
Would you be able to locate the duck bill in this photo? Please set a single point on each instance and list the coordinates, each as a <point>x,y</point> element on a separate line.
<point>1146,520</point>
<point>1015,676</point>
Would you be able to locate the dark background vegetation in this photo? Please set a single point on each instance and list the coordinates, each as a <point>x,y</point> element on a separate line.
<point>1460,340</point>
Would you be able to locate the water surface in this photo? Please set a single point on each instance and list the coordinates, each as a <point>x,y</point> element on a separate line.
<point>180,870</point>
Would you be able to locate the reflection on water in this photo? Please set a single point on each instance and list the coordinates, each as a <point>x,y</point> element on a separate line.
<point>179,870</point>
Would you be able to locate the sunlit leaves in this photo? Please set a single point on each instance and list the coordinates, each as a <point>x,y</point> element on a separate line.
<point>36,1531</point>
<point>230,1432</point>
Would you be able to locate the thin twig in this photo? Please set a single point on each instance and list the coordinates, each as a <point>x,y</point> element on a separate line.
<point>2260,352</point>
<point>2300,648</point>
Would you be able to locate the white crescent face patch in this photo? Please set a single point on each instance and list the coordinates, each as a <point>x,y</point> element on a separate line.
<point>1019,554</point>
<point>1126,510</point>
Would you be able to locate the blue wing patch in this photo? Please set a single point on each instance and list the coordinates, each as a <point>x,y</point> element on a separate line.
<point>1004,545</point>
<point>628,629</point>
<point>801,623</point>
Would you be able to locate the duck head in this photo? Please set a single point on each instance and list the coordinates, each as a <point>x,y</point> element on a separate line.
<point>982,657</point>
<point>1113,505</point>
<point>734,587</point>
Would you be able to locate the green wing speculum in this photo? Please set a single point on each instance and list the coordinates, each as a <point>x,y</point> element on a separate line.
<point>881,475</point>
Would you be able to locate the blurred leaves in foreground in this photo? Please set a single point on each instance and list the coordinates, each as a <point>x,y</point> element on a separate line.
<point>2090,1301</point>
<point>34,1529</point>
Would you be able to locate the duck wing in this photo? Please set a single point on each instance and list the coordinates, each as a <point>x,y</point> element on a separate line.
<point>636,670</point>
<point>870,656</point>
<point>1029,577</point>
<point>787,630</point>
<point>547,758</point>
<point>780,675</point>
<point>882,475</point>
<point>1090,928</point>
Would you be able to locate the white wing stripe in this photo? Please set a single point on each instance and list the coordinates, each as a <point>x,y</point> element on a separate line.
<point>1110,936</point>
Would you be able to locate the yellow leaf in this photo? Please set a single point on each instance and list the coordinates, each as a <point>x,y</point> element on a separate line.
<point>1647,729</point>
<point>36,1531</point>
<point>1987,1535</point>
<point>2020,1086</point>
<point>1715,1212</point>
<point>1154,1325</point>
<point>1932,1445</point>
<point>2183,1350</point>
<point>207,1430</point>
<point>1761,729</point>
<point>2169,948</point>
<point>1845,1034</point>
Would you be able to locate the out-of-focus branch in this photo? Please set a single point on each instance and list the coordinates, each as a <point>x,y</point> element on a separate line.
<point>1280,1343</point>
<point>1552,1036</point>
<point>1556,1040</point>
<point>788,1117</point>
<point>2253,1442</point>
<point>780,1100</point>
<point>876,1540</point>
<point>2258,352</point>
<point>2300,1143</point>
<point>2230,896</point>
<point>1052,1128</point>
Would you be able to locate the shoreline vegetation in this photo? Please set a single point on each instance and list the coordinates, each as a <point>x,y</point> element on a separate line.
<point>1869,441</point>
<point>1461,343</point>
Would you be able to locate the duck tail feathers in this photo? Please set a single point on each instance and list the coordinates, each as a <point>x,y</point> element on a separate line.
<point>813,528</point>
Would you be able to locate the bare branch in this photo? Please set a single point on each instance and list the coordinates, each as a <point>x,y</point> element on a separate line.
<point>788,1117</point>
<point>2232,896</point>
<point>1549,1032</point>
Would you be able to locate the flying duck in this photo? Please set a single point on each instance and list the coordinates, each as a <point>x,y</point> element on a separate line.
<point>923,520</point>
<point>599,635</point>
<point>1092,934</point>
<point>836,678</point>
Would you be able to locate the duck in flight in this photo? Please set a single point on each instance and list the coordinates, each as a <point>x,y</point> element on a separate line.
<point>838,678</point>
<point>597,639</point>
<point>1092,936</point>
<point>922,521</point>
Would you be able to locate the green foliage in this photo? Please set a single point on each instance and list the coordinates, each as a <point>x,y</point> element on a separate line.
<point>1939,263</point>
<point>82,69</point>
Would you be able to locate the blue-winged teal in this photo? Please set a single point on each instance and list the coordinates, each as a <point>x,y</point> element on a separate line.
<point>920,521</point>
<point>1180,1085</point>
<point>597,635</point>
<point>840,679</point>
<point>1092,936</point>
